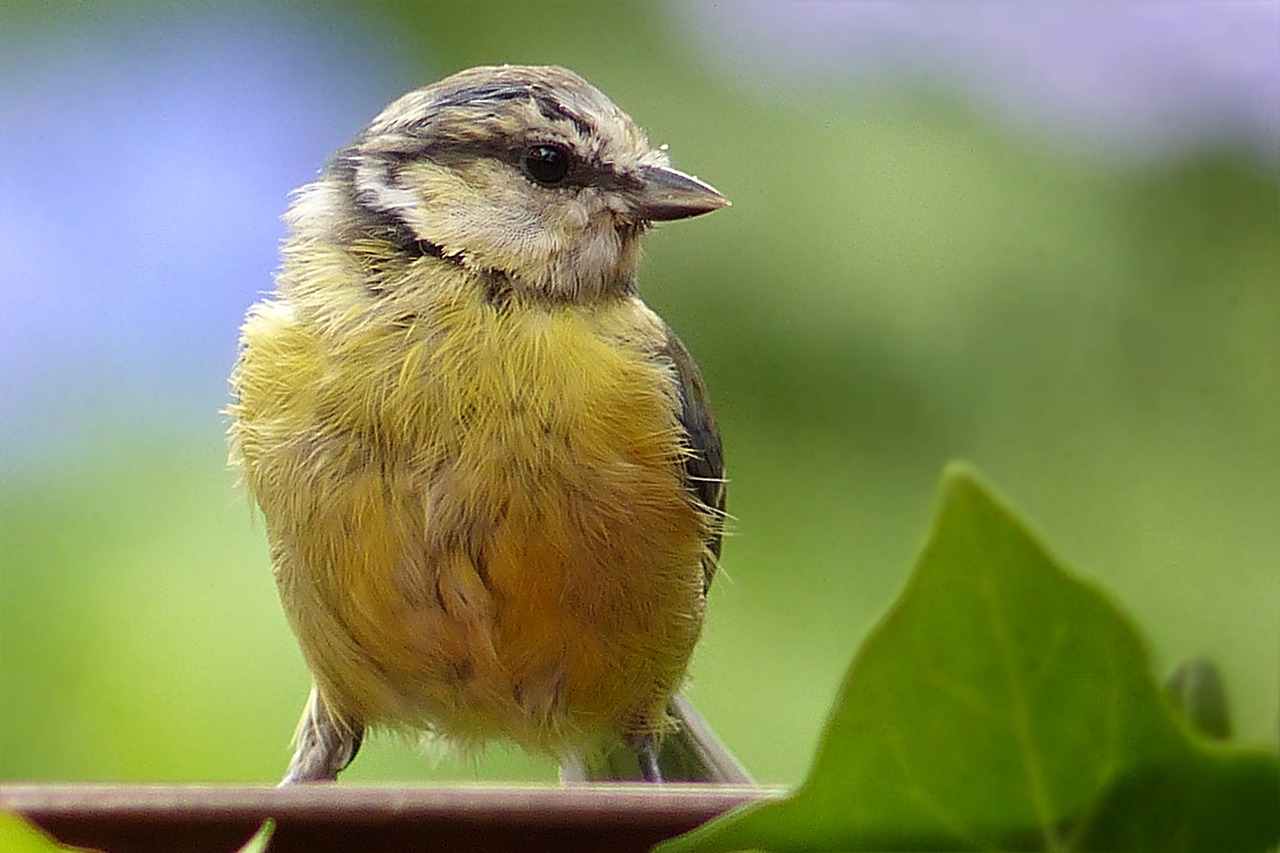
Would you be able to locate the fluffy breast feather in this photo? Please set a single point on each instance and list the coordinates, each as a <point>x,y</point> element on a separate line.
<point>477,512</point>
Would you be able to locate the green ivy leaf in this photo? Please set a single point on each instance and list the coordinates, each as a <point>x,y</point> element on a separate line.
<point>1196,689</point>
<point>261,839</point>
<point>1004,704</point>
<point>19,835</point>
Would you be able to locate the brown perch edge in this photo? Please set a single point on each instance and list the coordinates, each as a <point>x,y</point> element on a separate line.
<point>316,819</point>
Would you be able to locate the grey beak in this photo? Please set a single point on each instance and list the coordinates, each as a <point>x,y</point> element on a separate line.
<point>667,194</point>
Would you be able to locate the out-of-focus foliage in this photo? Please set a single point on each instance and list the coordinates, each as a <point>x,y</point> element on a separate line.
<point>901,280</point>
<point>18,835</point>
<point>1004,705</point>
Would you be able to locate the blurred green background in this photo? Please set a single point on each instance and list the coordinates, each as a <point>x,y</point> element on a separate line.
<point>1071,281</point>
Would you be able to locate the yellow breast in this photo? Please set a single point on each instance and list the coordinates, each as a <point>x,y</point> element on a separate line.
<point>477,512</point>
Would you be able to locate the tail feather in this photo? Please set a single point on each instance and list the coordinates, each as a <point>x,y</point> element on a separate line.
<point>692,753</point>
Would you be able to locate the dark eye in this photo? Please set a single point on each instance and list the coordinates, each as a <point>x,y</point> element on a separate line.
<point>546,164</point>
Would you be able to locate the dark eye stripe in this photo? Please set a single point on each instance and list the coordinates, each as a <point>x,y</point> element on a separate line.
<point>457,152</point>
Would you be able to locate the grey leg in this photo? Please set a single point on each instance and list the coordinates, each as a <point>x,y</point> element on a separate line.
<point>324,746</point>
<point>646,749</point>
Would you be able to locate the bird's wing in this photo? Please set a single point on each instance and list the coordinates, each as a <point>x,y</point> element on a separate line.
<point>704,467</point>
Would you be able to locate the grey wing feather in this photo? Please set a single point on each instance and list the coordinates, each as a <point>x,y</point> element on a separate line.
<point>705,466</point>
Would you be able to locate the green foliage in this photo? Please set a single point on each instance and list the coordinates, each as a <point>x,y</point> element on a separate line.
<point>261,839</point>
<point>900,281</point>
<point>18,835</point>
<point>1197,690</point>
<point>1004,704</point>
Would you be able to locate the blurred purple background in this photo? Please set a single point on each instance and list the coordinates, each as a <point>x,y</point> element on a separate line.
<point>1136,77</point>
<point>144,166</point>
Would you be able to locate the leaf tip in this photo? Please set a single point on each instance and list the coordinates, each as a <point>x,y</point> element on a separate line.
<point>261,839</point>
<point>963,483</point>
<point>960,473</point>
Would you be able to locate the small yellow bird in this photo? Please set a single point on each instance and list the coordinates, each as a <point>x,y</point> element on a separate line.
<point>492,483</point>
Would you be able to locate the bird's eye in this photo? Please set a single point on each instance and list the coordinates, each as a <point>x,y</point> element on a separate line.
<point>546,164</point>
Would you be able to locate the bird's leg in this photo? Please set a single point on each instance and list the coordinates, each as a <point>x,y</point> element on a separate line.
<point>645,747</point>
<point>324,745</point>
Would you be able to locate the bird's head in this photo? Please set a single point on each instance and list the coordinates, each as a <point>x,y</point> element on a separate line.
<point>525,172</point>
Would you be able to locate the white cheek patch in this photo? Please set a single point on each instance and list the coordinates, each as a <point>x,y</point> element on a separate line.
<point>490,228</point>
<point>377,187</point>
<point>492,220</point>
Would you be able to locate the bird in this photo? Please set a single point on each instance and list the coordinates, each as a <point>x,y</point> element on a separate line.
<point>491,481</point>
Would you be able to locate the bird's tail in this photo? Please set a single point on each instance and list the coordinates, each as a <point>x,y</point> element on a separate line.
<point>691,753</point>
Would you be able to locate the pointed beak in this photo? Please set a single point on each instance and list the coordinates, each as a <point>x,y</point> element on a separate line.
<point>667,194</point>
